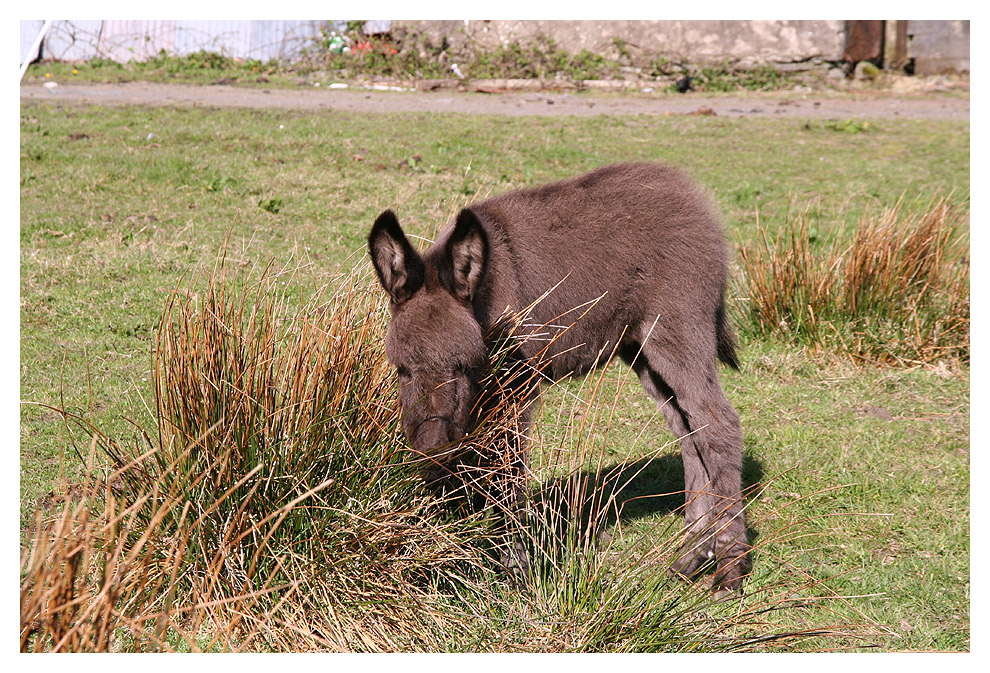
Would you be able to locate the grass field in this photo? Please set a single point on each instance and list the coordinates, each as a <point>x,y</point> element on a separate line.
<point>868,465</point>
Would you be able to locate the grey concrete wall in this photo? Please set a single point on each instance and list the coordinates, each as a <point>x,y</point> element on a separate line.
<point>744,42</point>
<point>935,46</point>
<point>938,46</point>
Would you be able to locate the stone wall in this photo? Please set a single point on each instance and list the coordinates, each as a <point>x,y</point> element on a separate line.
<point>928,46</point>
<point>745,42</point>
<point>936,47</point>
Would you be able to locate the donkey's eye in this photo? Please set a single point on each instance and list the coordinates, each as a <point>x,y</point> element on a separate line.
<point>403,372</point>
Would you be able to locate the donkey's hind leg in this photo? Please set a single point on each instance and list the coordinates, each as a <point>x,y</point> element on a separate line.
<point>707,426</point>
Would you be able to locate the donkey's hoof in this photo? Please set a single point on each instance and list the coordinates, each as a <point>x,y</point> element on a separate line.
<point>733,567</point>
<point>724,594</point>
<point>516,567</point>
<point>689,563</point>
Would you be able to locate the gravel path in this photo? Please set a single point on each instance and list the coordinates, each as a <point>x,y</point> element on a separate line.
<point>952,105</point>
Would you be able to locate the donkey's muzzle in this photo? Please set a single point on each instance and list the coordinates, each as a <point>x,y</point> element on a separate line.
<point>436,442</point>
<point>433,436</point>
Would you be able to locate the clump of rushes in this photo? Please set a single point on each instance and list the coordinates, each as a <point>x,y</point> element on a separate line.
<point>274,506</point>
<point>273,495</point>
<point>897,293</point>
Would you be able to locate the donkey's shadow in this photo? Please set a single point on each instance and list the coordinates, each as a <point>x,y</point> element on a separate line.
<point>595,500</point>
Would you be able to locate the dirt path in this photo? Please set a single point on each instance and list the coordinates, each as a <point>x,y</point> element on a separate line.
<point>819,105</point>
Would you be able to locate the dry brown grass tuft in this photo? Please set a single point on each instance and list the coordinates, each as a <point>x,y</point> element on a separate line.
<point>898,293</point>
<point>274,479</point>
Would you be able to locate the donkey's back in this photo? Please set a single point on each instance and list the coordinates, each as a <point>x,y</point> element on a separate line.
<point>641,240</point>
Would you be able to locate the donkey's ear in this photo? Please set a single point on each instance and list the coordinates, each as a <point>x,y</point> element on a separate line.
<point>399,267</point>
<point>466,256</point>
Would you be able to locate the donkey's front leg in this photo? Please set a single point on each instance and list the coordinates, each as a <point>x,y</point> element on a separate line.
<point>514,554</point>
<point>511,498</point>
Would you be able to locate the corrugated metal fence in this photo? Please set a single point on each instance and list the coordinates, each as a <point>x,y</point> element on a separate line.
<point>124,41</point>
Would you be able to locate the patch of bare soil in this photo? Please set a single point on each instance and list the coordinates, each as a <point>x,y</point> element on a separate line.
<point>881,104</point>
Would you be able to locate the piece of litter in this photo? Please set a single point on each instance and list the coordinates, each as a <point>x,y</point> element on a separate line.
<point>338,85</point>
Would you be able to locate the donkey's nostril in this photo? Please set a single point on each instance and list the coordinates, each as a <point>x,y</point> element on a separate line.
<point>434,432</point>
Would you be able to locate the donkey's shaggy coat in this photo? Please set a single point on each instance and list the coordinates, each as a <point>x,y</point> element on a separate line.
<point>646,243</point>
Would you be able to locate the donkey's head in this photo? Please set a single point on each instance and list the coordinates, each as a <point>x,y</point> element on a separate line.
<point>434,339</point>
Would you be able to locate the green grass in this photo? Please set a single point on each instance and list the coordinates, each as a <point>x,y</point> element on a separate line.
<point>200,67</point>
<point>273,507</point>
<point>869,465</point>
<point>113,220</point>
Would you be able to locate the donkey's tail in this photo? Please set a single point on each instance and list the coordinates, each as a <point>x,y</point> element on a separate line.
<point>726,344</point>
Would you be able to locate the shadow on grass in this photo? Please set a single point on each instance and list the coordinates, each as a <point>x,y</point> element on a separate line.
<point>627,491</point>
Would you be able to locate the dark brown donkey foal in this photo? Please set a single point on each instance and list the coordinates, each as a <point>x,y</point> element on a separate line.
<point>646,243</point>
